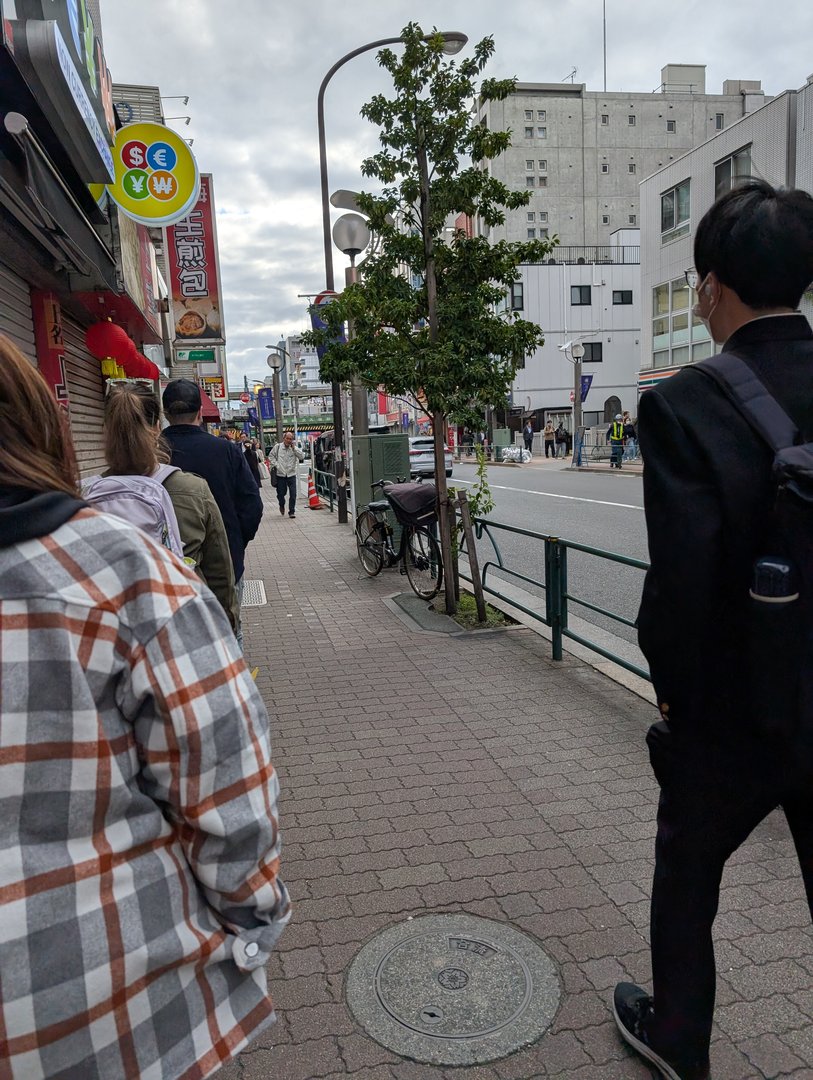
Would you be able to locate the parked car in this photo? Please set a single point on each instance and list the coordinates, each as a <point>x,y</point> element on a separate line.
<point>422,456</point>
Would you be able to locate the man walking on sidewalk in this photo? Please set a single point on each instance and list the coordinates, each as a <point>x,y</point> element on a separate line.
<point>712,510</point>
<point>285,458</point>
<point>222,465</point>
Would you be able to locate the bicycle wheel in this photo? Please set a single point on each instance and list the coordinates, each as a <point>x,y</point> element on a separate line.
<point>423,564</point>
<point>369,542</point>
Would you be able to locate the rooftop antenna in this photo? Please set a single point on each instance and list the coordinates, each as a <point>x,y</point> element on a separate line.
<point>571,75</point>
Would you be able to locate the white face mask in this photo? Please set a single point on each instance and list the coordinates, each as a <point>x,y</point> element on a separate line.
<point>705,319</point>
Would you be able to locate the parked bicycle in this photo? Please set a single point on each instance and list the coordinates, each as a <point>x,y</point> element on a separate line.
<point>418,552</point>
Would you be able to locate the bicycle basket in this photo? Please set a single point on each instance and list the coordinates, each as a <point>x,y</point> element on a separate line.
<point>412,504</point>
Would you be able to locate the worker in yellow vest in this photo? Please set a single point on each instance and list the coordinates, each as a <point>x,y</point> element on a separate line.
<point>615,433</point>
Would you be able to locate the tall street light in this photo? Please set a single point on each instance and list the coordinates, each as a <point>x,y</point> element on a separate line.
<point>276,361</point>
<point>454,41</point>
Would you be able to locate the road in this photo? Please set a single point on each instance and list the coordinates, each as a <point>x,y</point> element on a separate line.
<point>602,510</point>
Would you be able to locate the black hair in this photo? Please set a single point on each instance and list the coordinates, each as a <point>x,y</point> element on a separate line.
<point>758,240</point>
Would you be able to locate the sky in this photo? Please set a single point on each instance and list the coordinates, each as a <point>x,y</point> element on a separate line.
<point>252,70</point>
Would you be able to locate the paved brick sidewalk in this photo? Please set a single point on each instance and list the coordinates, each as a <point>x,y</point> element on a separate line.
<point>423,773</point>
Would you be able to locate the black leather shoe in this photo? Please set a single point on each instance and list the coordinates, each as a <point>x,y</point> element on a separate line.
<point>633,1012</point>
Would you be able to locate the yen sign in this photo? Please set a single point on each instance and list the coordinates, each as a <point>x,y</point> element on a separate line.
<point>161,156</point>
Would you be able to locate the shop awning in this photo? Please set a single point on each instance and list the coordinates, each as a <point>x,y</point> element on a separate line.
<point>209,411</point>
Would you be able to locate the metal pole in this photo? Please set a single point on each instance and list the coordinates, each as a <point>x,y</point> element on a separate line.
<point>277,404</point>
<point>577,393</point>
<point>604,6</point>
<point>358,392</point>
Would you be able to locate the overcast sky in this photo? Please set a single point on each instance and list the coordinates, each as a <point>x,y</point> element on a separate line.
<point>252,69</point>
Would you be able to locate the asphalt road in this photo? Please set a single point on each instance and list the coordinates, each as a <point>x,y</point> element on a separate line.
<point>601,510</point>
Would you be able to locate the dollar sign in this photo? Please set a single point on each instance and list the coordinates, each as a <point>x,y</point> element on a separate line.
<point>136,157</point>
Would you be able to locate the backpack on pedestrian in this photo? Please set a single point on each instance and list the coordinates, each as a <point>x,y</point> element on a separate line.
<point>142,501</point>
<point>780,630</point>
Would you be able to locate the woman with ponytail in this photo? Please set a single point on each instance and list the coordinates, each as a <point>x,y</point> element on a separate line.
<point>139,842</point>
<point>175,508</point>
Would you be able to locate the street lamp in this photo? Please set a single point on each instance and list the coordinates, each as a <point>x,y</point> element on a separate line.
<point>351,235</point>
<point>276,361</point>
<point>453,42</point>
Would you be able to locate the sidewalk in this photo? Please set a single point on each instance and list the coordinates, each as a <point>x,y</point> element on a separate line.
<point>424,773</point>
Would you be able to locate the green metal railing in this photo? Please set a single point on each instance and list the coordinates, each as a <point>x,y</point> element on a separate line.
<point>325,484</point>
<point>558,597</point>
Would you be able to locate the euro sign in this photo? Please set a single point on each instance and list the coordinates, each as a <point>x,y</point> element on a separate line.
<point>160,158</point>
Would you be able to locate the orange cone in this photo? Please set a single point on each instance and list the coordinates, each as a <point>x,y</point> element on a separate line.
<point>314,502</point>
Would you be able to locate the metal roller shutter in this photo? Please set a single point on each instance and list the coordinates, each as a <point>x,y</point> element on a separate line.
<point>16,319</point>
<point>86,393</point>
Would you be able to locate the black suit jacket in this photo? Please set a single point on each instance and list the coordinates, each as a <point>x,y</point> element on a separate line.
<point>708,496</point>
<point>223,466</point>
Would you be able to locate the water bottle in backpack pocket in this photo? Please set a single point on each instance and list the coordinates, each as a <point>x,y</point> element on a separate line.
<point>775,648</point>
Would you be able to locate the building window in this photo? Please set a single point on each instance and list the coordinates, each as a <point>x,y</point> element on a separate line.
<point>671,126</point>
<point>633,219</point>
<point>729,172</point>
<point>580,295</point>
<point>542,132</point>
<point>605,168</point>
<point>543,234</point>
<point>529,132</point>
<point>543,215</point>
<point>543,165</point>
<point>517,296</point>
<point>529,114</point>
<point>605,219</point>
<point>541,115</point>
<point>529,164</point>
<point>631,119</point>
<point>631,167</point>
<point>531,215</point>
<point>530,181</point>
<point>675,212</point>
<point>622,296</point>
<point>677,335</point>
<point>719,121</point>
<point>605,119</point>
<point>531,234</point>
<point>593,353</point>
<point>543,181</point>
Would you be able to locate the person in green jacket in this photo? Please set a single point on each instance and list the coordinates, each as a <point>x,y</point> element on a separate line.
<point>133,447</point>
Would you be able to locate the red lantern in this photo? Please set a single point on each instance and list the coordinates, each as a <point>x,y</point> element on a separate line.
<point>107,339</point>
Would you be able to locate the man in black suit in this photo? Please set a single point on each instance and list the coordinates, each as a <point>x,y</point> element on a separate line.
<point>708,498</point>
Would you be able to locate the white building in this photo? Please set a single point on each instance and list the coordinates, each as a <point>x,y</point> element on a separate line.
<point>775,143</point>
<point>592,296</point>
<point>583,153</point>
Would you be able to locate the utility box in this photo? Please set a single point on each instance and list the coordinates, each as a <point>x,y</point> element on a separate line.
<point>377,457</point>
<point>502,438</point>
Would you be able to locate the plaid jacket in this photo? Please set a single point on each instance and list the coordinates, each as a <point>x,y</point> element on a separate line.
<point>139,896</point>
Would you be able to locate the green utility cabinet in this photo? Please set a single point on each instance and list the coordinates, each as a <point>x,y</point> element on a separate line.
<point>377,457</point>
<point>502,439</point>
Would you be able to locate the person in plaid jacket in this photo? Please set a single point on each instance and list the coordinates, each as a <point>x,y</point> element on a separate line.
<point>139,847</point>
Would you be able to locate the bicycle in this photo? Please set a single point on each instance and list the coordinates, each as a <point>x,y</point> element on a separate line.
<point>418,552</point>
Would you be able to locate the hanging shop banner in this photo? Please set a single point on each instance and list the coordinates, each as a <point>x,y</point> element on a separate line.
<point>50,342</point>
<point>157,179</point>
<point>214,387</point>
<point>194,274</point>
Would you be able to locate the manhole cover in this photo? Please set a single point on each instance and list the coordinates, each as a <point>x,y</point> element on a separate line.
<point>253,594</point>
<point>453,989</point>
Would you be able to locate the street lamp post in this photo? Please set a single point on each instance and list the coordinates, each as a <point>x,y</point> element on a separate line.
<point>275,361</point>
<point>453,43</point>
<point>577,352</point>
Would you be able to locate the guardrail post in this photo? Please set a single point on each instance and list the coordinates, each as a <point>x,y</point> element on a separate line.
<point>553,593</point>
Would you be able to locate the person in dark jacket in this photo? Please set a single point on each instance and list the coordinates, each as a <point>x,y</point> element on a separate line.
<point>250,455</point>
<point>708,497</point>
<point>222,465</point>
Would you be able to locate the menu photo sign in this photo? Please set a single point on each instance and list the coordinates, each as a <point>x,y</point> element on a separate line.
<point>194,276</point>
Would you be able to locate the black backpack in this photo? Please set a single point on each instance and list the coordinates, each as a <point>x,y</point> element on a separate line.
<point>780,626</point>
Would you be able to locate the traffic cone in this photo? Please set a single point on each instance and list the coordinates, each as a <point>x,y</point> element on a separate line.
<point>314,502</point>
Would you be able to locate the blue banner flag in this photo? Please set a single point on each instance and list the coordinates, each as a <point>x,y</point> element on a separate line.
<point>265,399</point>
<point>586,383</point>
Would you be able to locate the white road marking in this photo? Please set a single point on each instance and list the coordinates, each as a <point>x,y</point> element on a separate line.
<point>550,495</point>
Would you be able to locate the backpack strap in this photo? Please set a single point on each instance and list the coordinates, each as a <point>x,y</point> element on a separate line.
<point>752,399</point>
<point>163,471</point>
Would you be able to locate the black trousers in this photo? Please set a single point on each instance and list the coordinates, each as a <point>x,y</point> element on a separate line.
<point>550,448</point>
<point>286,484</point>
<point>711,800</point>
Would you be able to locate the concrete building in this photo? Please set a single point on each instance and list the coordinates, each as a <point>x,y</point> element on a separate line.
<point>583,153</point>
<point>597,303</point>
<point>774,143</point>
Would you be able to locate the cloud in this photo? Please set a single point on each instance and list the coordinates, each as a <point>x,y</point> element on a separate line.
<point>252,70</point>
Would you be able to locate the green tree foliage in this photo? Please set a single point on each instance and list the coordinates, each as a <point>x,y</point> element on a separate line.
<point>478,342</point>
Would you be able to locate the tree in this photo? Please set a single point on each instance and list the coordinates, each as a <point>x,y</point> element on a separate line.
<point>430,314</point>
